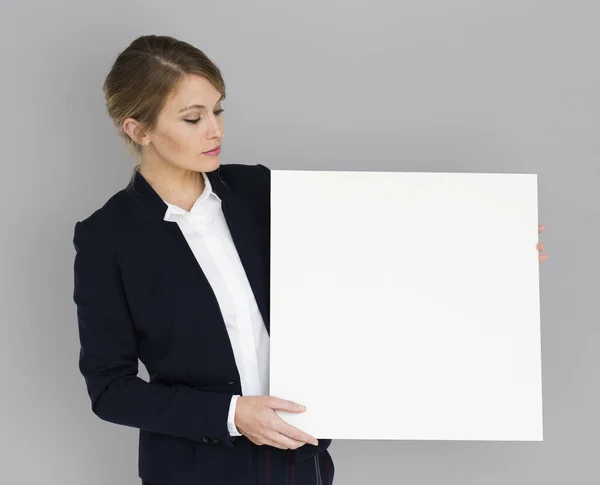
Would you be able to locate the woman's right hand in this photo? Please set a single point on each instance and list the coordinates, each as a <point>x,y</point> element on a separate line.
<point>255,418</point>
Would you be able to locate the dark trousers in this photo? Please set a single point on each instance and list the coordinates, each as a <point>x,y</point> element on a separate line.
<point>273,466</point>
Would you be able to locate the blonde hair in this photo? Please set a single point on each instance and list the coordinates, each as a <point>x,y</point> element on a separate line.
<point>143,76</point>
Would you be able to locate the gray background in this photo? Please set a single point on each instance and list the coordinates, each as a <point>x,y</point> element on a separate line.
<point>425,85</point>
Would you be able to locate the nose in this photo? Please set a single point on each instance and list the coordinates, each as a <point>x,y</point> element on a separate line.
<point>216,131</point>
<point>216,128</point>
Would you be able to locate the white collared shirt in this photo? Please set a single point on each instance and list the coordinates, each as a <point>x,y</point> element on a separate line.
<point>206,232</point>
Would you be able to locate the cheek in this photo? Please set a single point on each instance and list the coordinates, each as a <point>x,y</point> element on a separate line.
<point>181,141</point>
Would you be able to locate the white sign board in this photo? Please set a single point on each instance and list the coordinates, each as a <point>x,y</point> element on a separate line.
<point>406,305</point>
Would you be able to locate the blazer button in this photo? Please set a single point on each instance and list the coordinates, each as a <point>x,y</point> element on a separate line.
<point>215,441</point>
<point>204,439</point>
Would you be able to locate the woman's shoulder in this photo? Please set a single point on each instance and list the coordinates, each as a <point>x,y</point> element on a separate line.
<point>111,218</point>
<point>252,179</point>
<point>251,183</point>
<point>243,172</point>
<point>119,213</point>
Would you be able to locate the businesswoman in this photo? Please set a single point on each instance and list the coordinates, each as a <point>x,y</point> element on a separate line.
<point>174,270</point>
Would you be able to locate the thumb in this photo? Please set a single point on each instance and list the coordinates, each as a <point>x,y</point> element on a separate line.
<point>286,405</point>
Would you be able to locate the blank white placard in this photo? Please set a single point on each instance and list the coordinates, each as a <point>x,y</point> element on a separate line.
<point>406,305</point>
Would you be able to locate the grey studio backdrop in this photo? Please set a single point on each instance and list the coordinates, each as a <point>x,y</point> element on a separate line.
<point>426,85</point>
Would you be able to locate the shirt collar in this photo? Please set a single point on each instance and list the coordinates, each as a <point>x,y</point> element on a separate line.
<point>206,199</point>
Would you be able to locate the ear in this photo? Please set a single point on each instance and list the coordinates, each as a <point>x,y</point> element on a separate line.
<point>133,128</point>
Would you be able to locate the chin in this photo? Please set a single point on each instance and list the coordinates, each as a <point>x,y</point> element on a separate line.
<point>212,164</point>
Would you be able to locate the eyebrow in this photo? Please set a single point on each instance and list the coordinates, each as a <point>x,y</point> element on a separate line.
<point>199,106</point>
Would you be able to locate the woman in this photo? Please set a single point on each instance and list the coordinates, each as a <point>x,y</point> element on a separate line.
<point>174,270</point>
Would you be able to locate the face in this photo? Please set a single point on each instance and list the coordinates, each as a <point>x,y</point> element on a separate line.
<point>190,124</point>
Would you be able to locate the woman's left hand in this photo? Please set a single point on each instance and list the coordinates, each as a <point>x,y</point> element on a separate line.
<point>540,246</point>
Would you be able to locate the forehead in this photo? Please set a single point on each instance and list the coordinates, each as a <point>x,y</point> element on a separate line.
<point>192,89</point>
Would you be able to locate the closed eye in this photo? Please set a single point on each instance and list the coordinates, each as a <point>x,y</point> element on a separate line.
<point>217,112</point>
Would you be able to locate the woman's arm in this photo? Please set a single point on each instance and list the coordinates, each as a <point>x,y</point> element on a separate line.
<point>108,357</point>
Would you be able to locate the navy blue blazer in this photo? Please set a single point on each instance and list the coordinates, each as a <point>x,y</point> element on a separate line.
<point>140,293</point>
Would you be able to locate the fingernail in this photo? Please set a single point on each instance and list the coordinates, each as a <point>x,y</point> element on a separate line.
<point>301,406</point>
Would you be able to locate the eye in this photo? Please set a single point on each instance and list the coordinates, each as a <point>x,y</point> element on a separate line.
<point>217,112</point>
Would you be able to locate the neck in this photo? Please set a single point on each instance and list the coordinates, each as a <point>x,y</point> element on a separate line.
<point>174,185</point>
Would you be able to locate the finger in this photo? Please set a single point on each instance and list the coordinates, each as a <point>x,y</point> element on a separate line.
<point>540,246</point>
<point>289,443</point>
<point>541,228</point>
<point>281,441</point>
<point>285,405</point>
<point>543,257</point>
<point>274,444</point>
<point>295,433</point>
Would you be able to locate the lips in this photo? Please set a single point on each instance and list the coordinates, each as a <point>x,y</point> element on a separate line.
<point>214,150</point>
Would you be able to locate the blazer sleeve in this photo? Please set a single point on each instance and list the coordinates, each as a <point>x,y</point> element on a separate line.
<point>108,357</point>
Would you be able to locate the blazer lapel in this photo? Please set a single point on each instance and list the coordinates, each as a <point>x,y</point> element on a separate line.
<point>247,240</point>
<point>240,221</point>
